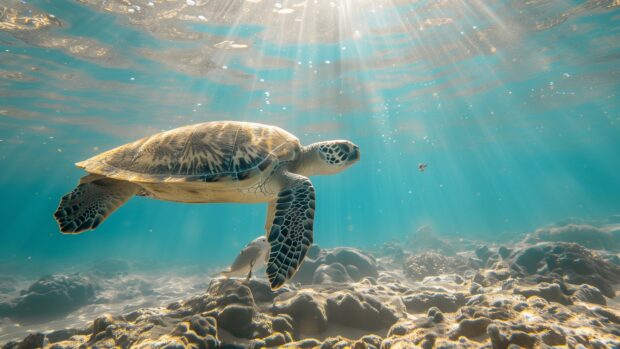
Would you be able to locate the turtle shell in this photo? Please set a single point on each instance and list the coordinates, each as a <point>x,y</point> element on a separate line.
<point>210,152</point>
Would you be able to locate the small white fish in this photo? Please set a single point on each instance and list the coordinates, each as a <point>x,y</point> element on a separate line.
<point>252,255</point>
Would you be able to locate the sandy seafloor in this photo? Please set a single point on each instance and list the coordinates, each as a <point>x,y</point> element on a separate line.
<point>555,287</point>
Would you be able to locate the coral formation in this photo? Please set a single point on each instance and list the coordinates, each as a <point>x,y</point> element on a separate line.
<point>607,237</point>
<point>50,297</point>
<point>529,296</point>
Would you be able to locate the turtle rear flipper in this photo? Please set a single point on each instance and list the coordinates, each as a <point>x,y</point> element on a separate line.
<point>91,202</point>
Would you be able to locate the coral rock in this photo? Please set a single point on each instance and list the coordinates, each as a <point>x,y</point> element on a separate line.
<point>307,309</point>
<point>590,294</point>
<point>331,273</point>
<point>549,292</point>
<point>359,311</point>
<point>421,302</point>
<point>51,297</point>
<point>471,328</point>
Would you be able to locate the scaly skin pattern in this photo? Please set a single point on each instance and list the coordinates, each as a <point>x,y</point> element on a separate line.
<point>291,233</point>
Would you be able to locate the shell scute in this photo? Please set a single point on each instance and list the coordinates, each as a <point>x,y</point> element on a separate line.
<point>208,152</point>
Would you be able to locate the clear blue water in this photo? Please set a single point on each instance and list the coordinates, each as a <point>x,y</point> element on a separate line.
<point>514,106</point>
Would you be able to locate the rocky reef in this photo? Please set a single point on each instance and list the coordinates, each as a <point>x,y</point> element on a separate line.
<point>50,297</point>
<point>534,294</point>
<point>587,235</point>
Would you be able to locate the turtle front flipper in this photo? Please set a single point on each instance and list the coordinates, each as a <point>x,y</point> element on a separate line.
<point>91,202</point>
<point>291,231</point>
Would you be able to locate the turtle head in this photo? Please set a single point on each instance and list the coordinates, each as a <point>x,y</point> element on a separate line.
<point>328,157</point>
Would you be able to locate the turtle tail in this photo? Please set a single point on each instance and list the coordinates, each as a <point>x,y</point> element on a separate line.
<point>91,202</point>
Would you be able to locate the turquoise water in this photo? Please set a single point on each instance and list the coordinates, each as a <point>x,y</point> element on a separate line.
<point>514,106</point>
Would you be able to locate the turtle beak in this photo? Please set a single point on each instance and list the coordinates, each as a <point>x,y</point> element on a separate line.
<point>354,155</point>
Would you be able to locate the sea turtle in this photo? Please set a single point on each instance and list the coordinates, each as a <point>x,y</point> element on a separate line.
<point>220,161</point>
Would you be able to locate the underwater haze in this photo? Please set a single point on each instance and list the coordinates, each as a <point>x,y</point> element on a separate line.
<point>512,106</point>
